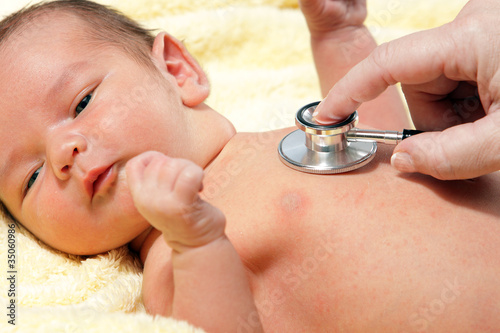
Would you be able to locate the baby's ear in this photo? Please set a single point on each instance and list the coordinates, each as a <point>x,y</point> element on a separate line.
<point>178,62</point>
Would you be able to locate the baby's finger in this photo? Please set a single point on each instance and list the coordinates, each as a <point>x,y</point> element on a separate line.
<point>135,168</point>
<point>189,183</point>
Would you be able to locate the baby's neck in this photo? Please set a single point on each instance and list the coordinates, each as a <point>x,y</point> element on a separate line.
<point>209,134</point>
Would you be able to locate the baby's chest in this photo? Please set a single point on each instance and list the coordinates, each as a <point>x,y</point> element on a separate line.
<point>287,245</point>
<point>291,271</point>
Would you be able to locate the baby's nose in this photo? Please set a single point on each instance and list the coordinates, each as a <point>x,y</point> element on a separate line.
<point>62,151</point>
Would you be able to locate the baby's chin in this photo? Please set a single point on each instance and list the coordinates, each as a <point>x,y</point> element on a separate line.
<point>104,241</point>
<point>116,222</point>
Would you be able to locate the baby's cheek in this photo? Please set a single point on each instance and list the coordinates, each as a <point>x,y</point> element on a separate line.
<point>56,220</point>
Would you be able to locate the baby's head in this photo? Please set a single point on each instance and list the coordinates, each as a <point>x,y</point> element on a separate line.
<point>103,25</point>
<point>83,90</point>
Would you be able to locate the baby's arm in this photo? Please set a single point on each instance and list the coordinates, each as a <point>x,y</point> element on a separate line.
<point>339,40</point>
<point>211,289</point>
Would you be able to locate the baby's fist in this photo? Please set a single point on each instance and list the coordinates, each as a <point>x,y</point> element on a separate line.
<point>165,191</point>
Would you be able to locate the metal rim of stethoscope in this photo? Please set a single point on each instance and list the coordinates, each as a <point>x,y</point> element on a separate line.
<point>324,149</point>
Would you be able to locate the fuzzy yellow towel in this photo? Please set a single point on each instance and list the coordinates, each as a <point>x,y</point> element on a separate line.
<point>256,53</point>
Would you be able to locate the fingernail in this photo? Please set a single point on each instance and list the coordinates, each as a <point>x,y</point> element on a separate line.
<point>316,111</point>
<point>403,162</point>
<point>331,119</point>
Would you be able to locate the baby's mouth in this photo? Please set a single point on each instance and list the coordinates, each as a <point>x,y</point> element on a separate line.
<point>100,179</point>
<point>104,180</point>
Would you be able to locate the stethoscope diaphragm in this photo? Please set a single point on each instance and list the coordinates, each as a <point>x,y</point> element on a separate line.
<point>330,149</point>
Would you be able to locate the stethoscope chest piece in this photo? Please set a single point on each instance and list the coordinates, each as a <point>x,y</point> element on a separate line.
<point>320,149</point>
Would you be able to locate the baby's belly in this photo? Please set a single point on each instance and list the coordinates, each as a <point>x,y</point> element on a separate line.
<point>365,251</point>
<point>346,271</point>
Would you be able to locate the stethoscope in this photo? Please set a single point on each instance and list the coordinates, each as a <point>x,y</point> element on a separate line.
<point>330,149</point>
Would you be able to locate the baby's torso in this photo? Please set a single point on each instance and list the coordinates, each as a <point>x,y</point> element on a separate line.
<point>367,250</point>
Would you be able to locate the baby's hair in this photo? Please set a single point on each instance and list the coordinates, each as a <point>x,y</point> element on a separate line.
<point>105,25</point>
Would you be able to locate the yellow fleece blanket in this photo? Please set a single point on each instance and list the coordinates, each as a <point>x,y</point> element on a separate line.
<point>256,54</point>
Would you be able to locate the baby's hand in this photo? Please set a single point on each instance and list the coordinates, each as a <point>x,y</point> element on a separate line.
<point>165,191</point>
<point>325,16</point>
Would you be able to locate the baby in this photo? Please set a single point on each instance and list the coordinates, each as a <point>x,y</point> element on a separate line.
<point>371,250</point>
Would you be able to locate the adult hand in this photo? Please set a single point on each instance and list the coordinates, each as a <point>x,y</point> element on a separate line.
<point>451,79</point>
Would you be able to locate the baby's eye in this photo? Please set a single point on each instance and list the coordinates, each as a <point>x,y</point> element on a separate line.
<point>33,178</point>
<point>83,104</point>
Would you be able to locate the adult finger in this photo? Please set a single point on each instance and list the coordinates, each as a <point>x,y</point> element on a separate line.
<point>413,59</point>
<point>443,103</point>
<point>460,152</point>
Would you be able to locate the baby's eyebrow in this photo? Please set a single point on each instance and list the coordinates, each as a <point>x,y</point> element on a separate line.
<point>68,75</point>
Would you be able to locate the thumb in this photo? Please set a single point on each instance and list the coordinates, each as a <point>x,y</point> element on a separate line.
<point>460,152</point>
